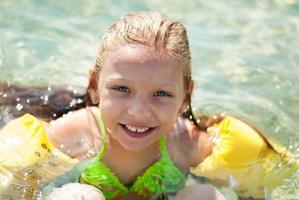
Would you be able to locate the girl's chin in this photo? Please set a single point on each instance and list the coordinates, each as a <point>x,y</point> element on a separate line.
<point>133,144</point>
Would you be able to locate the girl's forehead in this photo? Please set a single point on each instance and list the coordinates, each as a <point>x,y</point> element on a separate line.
<point>141,64</point>
<point>139,54</point>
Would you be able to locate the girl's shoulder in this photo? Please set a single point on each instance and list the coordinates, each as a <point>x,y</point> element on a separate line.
<point>85,120</point>
<point>77,131</point>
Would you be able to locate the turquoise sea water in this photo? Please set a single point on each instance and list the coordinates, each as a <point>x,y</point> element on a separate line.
<point>245,54</point>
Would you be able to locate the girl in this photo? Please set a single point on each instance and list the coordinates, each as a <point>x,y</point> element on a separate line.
<point>143,127</point>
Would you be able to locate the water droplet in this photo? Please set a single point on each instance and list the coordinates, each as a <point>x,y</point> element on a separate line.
<point>277,129</point>
<point>46,99</point>
<point>4,95</point>
<point>17,99</point>
<point>73,103</point>
<point>29,171</point>
<point>280,102</point>
<point>20,44</point>
<point>28,100</point>
<point>233,181</point>
<point>19,107</point>
<point>79,101</point>
<point>49,88</point>
<point>91,153</point>
<point>277,86</point>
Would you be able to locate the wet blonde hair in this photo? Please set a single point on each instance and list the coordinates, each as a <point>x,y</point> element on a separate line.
<point>150,29</point>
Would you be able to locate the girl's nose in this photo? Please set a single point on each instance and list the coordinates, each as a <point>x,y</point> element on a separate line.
<point>139,107</point>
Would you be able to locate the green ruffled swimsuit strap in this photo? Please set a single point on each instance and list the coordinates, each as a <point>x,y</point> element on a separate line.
<point>99,175</point>
<point>163,149</point>
<point>104,140</point>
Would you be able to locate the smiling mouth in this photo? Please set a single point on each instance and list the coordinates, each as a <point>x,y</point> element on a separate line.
<point>136,132</point>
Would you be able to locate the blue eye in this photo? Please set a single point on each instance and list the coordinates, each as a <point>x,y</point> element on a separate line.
<point>162,94</point>
<point>122,89</point>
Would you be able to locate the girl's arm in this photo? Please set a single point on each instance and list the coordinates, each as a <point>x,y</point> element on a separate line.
<point>76,134</point>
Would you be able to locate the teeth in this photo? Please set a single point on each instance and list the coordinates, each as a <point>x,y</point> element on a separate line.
<point>134,129</point>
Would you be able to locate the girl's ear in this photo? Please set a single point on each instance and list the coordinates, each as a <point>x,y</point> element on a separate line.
<point>190,87</point>
<point>187,97</point>
<point>92,86</point>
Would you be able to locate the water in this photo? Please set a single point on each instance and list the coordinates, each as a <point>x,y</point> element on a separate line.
<point>245,54</point>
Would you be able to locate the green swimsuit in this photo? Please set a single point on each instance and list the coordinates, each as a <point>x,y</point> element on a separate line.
<point>162,177</point>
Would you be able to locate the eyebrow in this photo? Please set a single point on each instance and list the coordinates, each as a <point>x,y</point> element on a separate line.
<point>116,78</point>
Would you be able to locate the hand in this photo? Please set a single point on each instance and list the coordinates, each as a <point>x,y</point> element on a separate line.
<point>77,134</point>
<point>76,191</point>
<point>199,191</point>
<point>192,140</point>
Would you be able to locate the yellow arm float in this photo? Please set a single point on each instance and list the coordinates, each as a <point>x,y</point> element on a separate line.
<point>28,159</point>
<point>245,160</point>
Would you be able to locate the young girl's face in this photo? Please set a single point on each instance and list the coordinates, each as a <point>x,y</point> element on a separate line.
<point>140,94</point>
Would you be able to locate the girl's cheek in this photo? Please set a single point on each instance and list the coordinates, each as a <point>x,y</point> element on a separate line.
<point>112,106</point>
<point>169,108</point>
<point>166,113</point>
<point>110,100</point>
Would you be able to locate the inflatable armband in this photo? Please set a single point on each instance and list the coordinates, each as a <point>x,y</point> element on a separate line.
<point>245,160</point>
<point>28,159</point>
